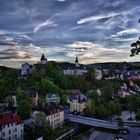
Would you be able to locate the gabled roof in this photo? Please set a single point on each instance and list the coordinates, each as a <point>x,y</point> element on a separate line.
<point>67,65</point>
<point>79,97</point>
<point>31,93</point>
<point>51,95</point>
<point>8,117</point>
<point>73,91</point>
<point>51,108</point>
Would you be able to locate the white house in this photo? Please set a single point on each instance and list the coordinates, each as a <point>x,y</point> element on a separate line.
<point>98,74</point>
<point>54,114</point>
<point>11,127</point>
<point>73,68</point>
<point>26,69</point>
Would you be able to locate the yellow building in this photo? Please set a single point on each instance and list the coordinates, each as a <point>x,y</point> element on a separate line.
<point>77,102</point>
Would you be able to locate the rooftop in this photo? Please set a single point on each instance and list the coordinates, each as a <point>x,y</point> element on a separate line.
<point>8,117</point>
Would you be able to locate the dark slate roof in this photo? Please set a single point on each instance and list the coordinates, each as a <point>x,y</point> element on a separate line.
<point>49,95</point>
<point>74,91</point>
<point>31,93</point>
<point>80,97</point>
<point>51,108</point>
<point>67,65</point>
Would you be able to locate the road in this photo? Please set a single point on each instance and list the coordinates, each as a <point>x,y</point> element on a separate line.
<point>91,121</point>
<point>100,123</point>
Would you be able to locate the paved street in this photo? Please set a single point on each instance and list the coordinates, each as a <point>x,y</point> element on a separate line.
<point>102,136</point>
<point>96,135</point>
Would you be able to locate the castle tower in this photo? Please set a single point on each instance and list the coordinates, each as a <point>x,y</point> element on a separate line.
<point>43,60</point>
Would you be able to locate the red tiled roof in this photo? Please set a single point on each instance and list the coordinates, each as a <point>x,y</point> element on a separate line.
<point>8,117</point>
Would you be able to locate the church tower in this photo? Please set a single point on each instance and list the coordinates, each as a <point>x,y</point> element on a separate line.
<point>43,60</point>
<point>77,62</point>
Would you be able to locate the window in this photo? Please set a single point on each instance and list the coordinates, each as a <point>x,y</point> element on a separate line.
<point>3,133</point>
<point>8,125</point>
<point>9,138</point>
<point>15,129</point>
<point>9,131</point>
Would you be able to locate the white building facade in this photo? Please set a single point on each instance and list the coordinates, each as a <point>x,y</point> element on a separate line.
<point>12,127</point>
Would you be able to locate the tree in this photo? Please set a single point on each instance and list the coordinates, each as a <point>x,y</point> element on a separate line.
<point>135,47</point>
<point>43,126</point>
<point>90,107</point>
<point>102,112</point>
<point>19,94</point>
<point>24,108</point>
<point>130,104</point>
<point>112,107</point>
<point>138,115</point>
<point>9,100</point>
<point>120,123</point>
<point>40,119</point>
<point>118,109</point>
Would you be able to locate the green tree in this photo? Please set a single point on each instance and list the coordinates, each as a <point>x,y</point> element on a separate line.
<point>24,109</point>
<point>9,100</point>
<point>118,109</point>
<point>120,123</point>
<point>112,107</point>
<point>130,104</point>
<point>138,115</point>
<point>90,107</point>
<point>43,126</point>
<point>135,47</point>
<point>102,112</point>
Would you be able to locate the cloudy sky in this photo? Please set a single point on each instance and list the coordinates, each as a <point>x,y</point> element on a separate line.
<point>94,30</point>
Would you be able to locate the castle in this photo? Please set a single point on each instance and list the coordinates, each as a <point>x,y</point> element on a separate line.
<point>68,68</point>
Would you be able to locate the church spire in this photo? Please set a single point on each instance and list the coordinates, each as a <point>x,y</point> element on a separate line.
<point>77,61</point>
<point>43,60</point>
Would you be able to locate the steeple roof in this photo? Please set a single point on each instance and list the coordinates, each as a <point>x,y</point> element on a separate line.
<point>76,60</point>
<point>43,57</point>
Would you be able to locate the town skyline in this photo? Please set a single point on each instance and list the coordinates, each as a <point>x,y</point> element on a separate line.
<point>95,31</point>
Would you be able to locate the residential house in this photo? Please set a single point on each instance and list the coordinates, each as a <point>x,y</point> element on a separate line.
<point>73,91</point>
<point>98,74</point>
<point>54,114</point>
<point>33,96</point>
<point>123,93</point>
<point>77,102</point>
<point>11,127</point>
<point>26,69</point>
<point>53,97</point>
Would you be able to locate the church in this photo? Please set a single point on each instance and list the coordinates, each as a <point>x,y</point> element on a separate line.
<point>73,68</point>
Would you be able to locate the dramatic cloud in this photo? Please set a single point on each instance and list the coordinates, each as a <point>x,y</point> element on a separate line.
<point>98,17</point>
<point>95,30</point>
<point>61,0</point>
<point>126,32</point>
<point>94,52</point>
<point>47,23</point>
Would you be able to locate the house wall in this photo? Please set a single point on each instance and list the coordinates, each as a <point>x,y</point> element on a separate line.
<point>76,106</point>
<point>12,132</point>
<point>56,120</point>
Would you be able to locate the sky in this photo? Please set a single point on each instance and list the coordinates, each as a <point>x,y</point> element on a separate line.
<point>94,30</point>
